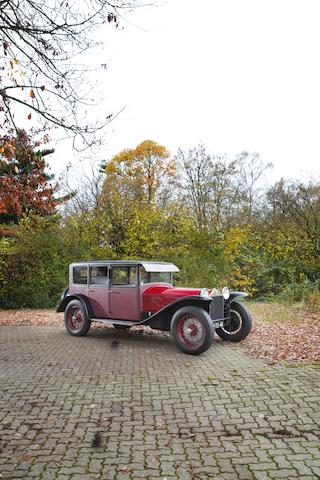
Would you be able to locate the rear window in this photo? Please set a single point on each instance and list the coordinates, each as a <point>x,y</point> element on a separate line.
<point>124,275</point>
<point>80,275</point>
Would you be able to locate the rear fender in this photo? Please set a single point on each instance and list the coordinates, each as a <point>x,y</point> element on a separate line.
<point>67,299</point>
<point>161,320</point>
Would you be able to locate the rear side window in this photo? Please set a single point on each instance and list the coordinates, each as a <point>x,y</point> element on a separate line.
<point>124,275</point>
<point>80,275</point>
<point>99,276</point>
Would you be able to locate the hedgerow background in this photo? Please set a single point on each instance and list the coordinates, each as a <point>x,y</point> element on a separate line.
<point>218,218</point>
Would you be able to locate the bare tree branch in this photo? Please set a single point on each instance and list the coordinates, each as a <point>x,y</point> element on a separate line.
<point>41,44</point>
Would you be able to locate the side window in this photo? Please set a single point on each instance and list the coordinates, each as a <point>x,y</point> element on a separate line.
<point>80,275</point>
<point>99,276</point>
<point>143,276</point>
<point>124,275</point>
<point>133,271</point>
<point>160,277</point>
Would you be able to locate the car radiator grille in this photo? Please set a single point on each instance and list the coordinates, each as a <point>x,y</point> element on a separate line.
<point>217,308</point>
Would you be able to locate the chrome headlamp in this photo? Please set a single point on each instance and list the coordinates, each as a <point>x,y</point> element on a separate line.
<point>226,293</point>
<point>204,292</point>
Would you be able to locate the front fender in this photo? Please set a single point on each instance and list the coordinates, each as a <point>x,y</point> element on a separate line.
<point>234,296</point>
<point>64,302</point>
<point>161,319</point>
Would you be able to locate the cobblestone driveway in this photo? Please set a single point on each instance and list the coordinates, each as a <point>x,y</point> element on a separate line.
<point>159,413</point>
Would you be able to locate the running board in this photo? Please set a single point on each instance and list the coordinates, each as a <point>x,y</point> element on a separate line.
<point>217,323</point>
<point>116,322</point>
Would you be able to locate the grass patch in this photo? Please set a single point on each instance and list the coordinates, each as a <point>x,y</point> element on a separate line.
<point>270,312</point>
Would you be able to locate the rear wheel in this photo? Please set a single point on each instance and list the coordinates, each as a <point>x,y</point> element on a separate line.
<point>239,325</point>
<point>192,330</point>
<point>76,318</point>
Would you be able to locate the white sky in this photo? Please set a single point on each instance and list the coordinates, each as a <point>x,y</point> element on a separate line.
<point>233,74</point>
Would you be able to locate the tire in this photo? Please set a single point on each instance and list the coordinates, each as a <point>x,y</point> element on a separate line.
<point>121,327</point>
<point>240,324</point>
<point>76,318</point>
<point>192,330</point>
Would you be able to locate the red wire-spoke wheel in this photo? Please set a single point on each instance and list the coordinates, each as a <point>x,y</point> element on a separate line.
<point>192,329</point>
<point>239,324</point>
<point>76,319</point>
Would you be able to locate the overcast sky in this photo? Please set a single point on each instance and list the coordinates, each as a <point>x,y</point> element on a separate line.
<point>234,74</point>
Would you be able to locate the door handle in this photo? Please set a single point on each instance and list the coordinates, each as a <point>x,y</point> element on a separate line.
<point>112,291</point>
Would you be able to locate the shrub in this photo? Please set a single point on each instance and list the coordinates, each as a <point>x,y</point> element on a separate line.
<point>306,293</point>
<point>35,269</point>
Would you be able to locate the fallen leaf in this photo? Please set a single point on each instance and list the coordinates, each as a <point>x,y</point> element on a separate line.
<point>126,469</point>
<point>159,423</point>
<point>27,457</point>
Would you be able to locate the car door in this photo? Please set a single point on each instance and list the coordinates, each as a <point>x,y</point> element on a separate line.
<point>98,290</point>
<point>124,299</point>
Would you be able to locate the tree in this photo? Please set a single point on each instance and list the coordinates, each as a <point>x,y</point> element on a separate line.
<point>82,186</point>
<point>206,182</point>
<point>25,186</point>
<point>135,179</point>
<point>145,173</point>
<point>195,180</point>
<point>250,184</point>
<point>299,204</point>
<point>41,43</point>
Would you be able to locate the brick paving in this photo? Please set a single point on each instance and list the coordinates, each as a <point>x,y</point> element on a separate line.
<point>117,405</point>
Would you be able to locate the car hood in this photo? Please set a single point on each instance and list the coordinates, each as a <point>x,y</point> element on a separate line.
<point>158,296</point>
<point>177,292</point>
<point>170,291</point>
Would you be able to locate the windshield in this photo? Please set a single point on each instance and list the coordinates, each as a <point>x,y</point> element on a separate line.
<point>154,277</point>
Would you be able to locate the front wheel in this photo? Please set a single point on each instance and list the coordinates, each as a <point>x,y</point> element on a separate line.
<point>76,318</point>
<point>239,325</point>
<point>192,330</point>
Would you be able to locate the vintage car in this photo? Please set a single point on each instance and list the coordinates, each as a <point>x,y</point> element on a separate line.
<point>127,293</point>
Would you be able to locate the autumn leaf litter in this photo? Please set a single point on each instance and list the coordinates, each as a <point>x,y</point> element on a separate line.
<point>284,332</point>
